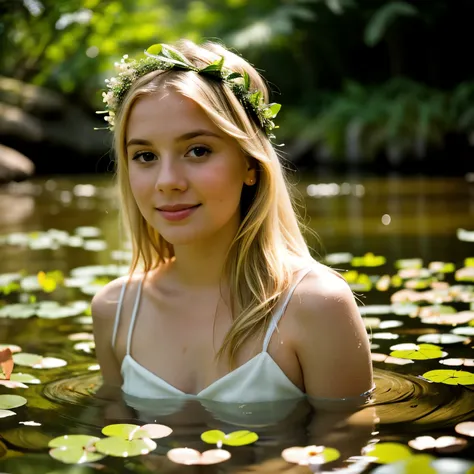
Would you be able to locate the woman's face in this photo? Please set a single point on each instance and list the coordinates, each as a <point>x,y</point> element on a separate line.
<point>178,158</point>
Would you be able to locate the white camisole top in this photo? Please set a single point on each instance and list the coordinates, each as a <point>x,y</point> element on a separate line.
<point>258,380</point>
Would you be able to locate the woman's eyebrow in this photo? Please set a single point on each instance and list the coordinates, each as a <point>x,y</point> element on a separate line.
<point>197,133</point>
<point>181,138</point>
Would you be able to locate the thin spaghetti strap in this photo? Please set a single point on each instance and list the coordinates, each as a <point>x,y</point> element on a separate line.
<point>118,312</point>
<point>134,315</point>
<point>281,310</point>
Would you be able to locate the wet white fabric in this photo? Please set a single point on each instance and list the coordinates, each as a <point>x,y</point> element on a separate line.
<point>258,380</point>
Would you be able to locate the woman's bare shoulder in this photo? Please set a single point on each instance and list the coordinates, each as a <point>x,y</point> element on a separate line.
<point>104,303</point>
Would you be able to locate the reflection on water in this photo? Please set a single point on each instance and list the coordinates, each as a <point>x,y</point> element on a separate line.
<point>391,217</point>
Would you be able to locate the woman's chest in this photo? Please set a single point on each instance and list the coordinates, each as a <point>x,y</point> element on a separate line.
<point>178,343</point>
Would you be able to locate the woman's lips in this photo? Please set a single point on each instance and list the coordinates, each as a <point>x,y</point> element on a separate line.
<point>178,215</point>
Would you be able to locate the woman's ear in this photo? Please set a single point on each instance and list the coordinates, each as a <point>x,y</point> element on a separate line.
<point>251,173</point>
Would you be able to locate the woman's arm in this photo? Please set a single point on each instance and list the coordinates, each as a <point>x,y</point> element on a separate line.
<point>331,342</point>
<point>103,308</point>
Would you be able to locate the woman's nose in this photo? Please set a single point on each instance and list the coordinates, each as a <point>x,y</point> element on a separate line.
<point>170,176</point>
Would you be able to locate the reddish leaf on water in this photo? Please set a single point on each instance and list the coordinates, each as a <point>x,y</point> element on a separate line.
<point>6,362</point>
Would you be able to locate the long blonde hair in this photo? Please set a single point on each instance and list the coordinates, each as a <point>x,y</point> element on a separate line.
<point>269,245</point>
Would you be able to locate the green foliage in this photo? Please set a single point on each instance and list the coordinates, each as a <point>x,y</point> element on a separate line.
<point>383,18</point>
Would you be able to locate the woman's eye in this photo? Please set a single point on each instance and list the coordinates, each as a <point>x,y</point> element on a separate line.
<point>144,157</point>
<point>200,151</point>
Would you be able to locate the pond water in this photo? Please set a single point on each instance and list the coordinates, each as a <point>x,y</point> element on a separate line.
<point>406,245</point>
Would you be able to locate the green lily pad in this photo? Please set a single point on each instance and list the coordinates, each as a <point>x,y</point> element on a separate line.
<point>417,352</point>
<point>386,453</point>
<point>12,347</point>
<point>409,263</point>
<point>25,378</point>
<point>441,338</point>
<point>75,449</point>
<point>415,464</point>
<point>236,438</point>
<point>11,401</point>
<point>73,455</point>
<point>123,448</point>
<point>17,311</point>
<point>6,413</point>
<point>73,441</point>
<point>129,431</point>
<point>37,361</point>
<point>368,260</point>
<point>450,377</point>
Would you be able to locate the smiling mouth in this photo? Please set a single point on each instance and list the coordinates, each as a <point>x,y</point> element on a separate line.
<point>177,210</point>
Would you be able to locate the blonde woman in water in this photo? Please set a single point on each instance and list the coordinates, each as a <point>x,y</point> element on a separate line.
<point>228,304</point>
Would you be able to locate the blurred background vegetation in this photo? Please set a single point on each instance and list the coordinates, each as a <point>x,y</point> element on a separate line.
<point>365,84</point>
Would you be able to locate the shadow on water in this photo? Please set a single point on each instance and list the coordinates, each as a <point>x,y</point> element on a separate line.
<point>392,217</point>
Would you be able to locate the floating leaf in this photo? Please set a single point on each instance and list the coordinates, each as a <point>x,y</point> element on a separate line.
<point>465,428</point>
<point>193,457</point>
<point>443,444</point>
<point>376,357</point>
<point>37,361</point>
<point>236,438</point>
<point>25,378</point>
<point>86,346</point>
<point>368,260</point>
<point>441,267</point>
<point>12,384</point>
<point>462,317</point>
<point>12,347</point>
<point>6,413</point>
<point>386,453</point>
<point>129,431</point>
<point>409,263</point>
<point>417,352</point>
<point>310,455</point>
<point>11,401</point>
<point>458,362</point>
<point>72,455</point>
<point>463,331</point>
<point>75,449</point>
<point>123,448</point>
<point>416,464</point>
<point>450,377</point>
<point>441,338</point>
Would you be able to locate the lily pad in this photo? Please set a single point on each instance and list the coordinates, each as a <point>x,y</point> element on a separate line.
<point>191,457</point>
<point>37,361</point>
<point>129,431</point>
<point>75,449</point>
<point>450,377</point>
<point>124,448</point>
<point>72,455</point>
<point>415,464</point>
<point>441,338</point>
<point>310,455</point>
<point>6,413</point>
<point>377,357</point>
<point>465,428</point>
<point>236,438</point>
<point>417,352</point>
<point>458,362</point>
<point>12,347</point>
<point>85,346</point>
<point>11,401</point>
<point>386,453</point>
<point>25,378</point>
<point>409,263</point>
<point>462,317</point>
<point>368,260</point>
<point>443,444</point>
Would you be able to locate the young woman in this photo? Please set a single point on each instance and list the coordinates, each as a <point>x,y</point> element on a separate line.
<point>229,305</point>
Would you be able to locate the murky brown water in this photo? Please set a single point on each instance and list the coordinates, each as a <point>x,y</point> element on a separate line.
<point>392,217</point>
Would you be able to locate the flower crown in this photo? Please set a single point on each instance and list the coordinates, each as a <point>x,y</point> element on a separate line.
<point>164,57</point>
